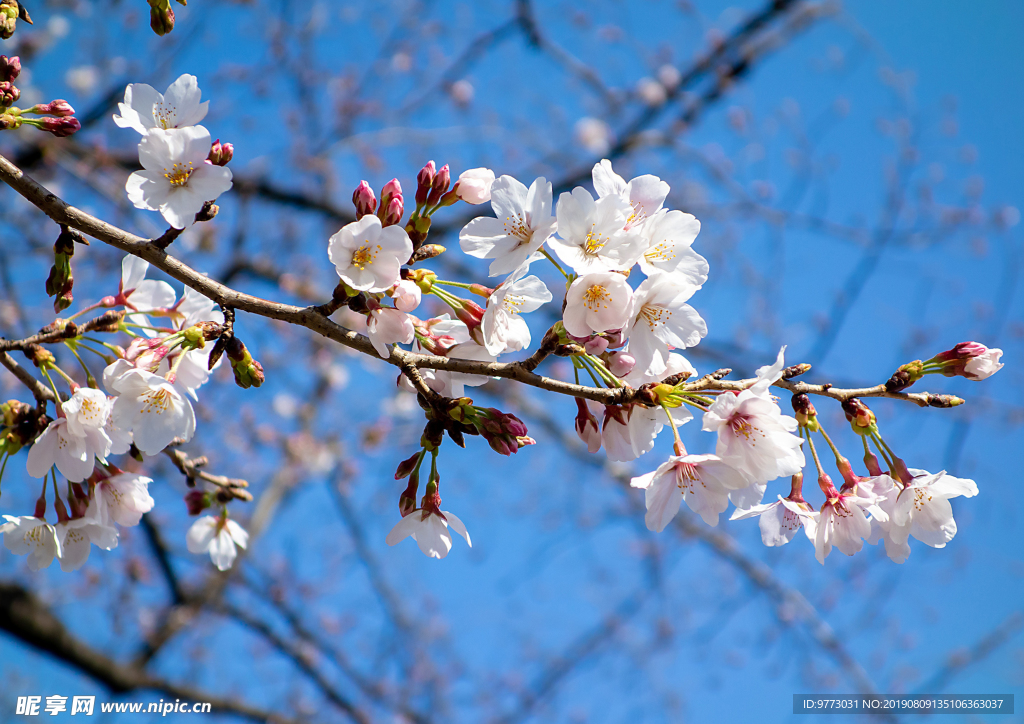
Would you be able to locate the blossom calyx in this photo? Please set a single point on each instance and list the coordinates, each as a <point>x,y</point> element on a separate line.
<point>861,419</point>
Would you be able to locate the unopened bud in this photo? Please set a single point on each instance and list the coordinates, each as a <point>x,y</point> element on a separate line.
<point>9,94</point>
<point>905,376</point>
<point>393,214</point>
<point>221,153</point>
<point>806,415</point>
<point>248,372</point>
<point>861,419</point>
<point>442,181</point>
<point>364,200</point>
<point>596,346</point>
<point>433,435</point>
<point>474,186</point>
<point>406,467</point>
<point>9,11</point>
<point>392,189</point>
<point>10,68</point>
<point>161,16</point>
<point>407,500</point>
<point>194,337</point>
<point>39,356</point>
<point>972,360</point>
<point>59,107</point>
<point>621,364</point>
<point>795,371</point>
<point>424,181</point>
<point>197,501</point>
<point>60,127</point>
<point>427,251</point>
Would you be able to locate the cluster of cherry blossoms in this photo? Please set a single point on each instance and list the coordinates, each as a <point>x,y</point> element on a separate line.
<point>146,407</point>
<point>182,169</point>
<point>622,335</point>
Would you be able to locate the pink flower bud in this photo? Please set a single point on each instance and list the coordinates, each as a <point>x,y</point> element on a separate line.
<point>197,501</point>
<point>442,181</point>
<point>972,360</point>
<point>60,127</point>
<point>596,345</point>
<point>364,200</point>
<point>10,68</point>
<point>161,16</point>
<point>221,153</point>
<point>474,185</point>
<point>59,107</point>
<point>621,364</point>
<point>424,180</point>
<point>9,94</point>
<point>393,214</point>
<point>392,189</point>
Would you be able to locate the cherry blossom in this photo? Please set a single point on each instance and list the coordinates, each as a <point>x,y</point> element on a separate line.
<point>922,508</point>
<point>389,326</point>
<point>431,529</point>
<point>369,256</point>
<point>123,498</point>
<point>32,536</point>
<point>474,185</point>
<point>151,407</point>
<point>78,535</point>
<point>629,431</point>
<point>597,302</point>
<point>57,445</point>
<point>668,236</point>
<point>220,537</point>
<point>644,194</point>
<point>406,295</point>
<point>843,521</point>
<point>524,222</point>
<point>703,481</point>
<point>661,320</point>
<point>504,330</point>
<point>145,109</point>
<point>592,235</point>
<point>140,294</point>
<point>779,521</point>
<point>176,180</point>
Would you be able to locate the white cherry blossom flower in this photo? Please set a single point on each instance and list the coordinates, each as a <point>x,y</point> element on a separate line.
<point>597,302</point>
<point>123,498</point>
<point>645,194</point>
<point>753,434</point>
<point>140,294</point>
<point>88,409</point>
<point>592,235</point>
<point>407,296</point>
<point>843,521</point>
<point>176,180</point>
<point>152,408</point>
<point>779,521</point>
<point>389,326</point>
<point>703,481</point>
<point>474,185</point>
<point>145,109</point>
<point>885,491</point>
<point>78,535</point>
<point>430,529</point>
<point>220,537</point>
<point>524,222</point>
<point>503,328</point>
<point>32,536</point>
<point>369,256</point>
<point>674,365</point>
<point>667,239</point>
<point>57,445</point>
<point>984,365</point>
<point>661,320</point>
<point>922,508</point>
